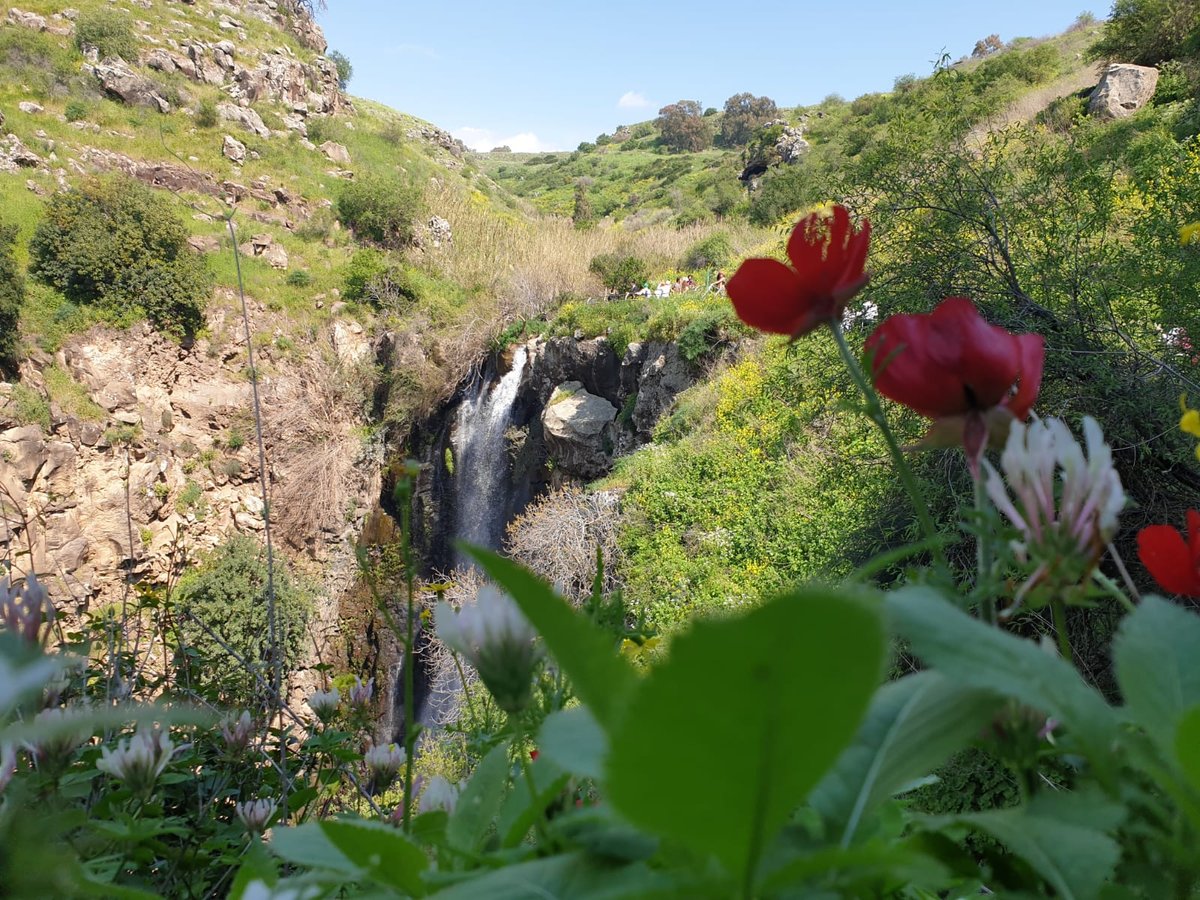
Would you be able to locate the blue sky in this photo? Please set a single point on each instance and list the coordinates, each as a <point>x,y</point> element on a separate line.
<point>547,74</point>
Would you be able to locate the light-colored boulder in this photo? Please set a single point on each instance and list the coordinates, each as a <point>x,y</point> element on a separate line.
<point>29,20</point>
<point>336,153</point>
<point>126,85</point>
<point>244,116</point>
<point>233,149</point>
<point>1123,89</point>
<point>29,107</point>
<point>579,430</point>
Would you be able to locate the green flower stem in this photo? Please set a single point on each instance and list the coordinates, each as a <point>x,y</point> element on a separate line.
<point>987,602</point>
<point>874,411</point>
<point>1058,608</point>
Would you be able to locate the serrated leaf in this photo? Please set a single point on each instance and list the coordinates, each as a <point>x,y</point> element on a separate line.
<point>973,654</point>
<point>726,738</point>
<point>912,726</point>
<point>602,679</point>
<point>480,801</point>
<point>1156,654</point>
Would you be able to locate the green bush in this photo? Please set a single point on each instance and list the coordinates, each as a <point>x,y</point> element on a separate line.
<point>12,292</point>
<point>110,31</point>
<point>713,252</point>
<point>115,243</point>
<point>381,209</point>
<point>298,278</point>
<point>364,266</point>
<point>619,271</point>
<point>227,596</point>
<point>206,114</point>
<point>345,71</point>
<point>75,110</point>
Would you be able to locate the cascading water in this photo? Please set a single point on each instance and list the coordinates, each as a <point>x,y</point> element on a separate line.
<point>481,459</point>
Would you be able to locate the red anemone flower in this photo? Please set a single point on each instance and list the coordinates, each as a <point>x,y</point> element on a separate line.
<point>827,270</point>
<point>1174,562</point>
<point>951,366</point>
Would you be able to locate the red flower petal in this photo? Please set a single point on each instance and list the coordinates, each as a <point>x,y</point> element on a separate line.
<point>764,293</point>
<point>1167,557</point>
<point>1032,348</point>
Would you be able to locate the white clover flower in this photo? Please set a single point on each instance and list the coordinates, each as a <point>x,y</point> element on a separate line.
<point>54,750</point>
<point>255,814</point>
<point>383,762</point>
<point>1076,524</point>
<point>237,733</point>
<point>24,610</point>
<point>138,761</point>
<point>360,694</point>
<point>324,703</point>
<point>440,794</point>
<point>497,640</point>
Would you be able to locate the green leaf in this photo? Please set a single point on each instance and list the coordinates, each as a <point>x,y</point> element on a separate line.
<point>727,737</point>
<point>1157,657</point>
<point>521,809</point>
<point>571,876</point>
<point>973,654</point>
<point>1060,835</point>
<point>602,679</point>
<point>480,801</point>
<point>1187,745</point>
<point>384,854</point>
<point>913,726</point>
<point>572,739</point>
<point>308,846</point>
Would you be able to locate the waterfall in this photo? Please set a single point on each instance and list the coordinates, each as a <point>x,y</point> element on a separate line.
<point>481,461</point>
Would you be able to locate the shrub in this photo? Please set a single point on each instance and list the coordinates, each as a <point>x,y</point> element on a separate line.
<point>712,252</point>
<point>12,292</point>
<point>206,114</point>
<point>110,31</point>
<point>618,271</point>
<point>298,278</point>
<point>30,407</point>
<point>227,596</point>
<point>381,209</point>
<point>114,243</point>
<point>345,71</point>
<point>75,110</point>
<point>362,268</point>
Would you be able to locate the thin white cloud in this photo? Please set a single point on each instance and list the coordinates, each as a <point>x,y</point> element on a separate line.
<point>632,100</point>
<point>415,50</point>
<point>484,139</point>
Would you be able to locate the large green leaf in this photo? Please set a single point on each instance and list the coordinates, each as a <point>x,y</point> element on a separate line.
<point>572,876</point>
<point>1060,835</point>
<point>1187,745</point>
<point>913,726</point>
<point>383,853</point>
<point>727,737</point>
<point>1157,658</point>
<point>571,738</point>
<point>973,654</point>
<point>480,801</point>
<point>602,679</point>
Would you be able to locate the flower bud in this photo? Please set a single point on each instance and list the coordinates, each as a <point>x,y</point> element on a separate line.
<point>383,763</point>
<point>26,609</point>
<point>256,814</point>
<point>324,704</point>
<point>138,761</point>
<point>360,695</point>
<point>497,640</point>
<point>55,751</point>
<point>237,733</point>
<point>440,794</point>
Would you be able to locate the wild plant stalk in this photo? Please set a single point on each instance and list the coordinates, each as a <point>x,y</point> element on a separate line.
<point>272,616</point>
<point>874,411</point>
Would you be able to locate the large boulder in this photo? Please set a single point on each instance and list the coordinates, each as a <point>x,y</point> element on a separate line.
<point>244,116</point>
<point>233,150</point>
<point>126,85</point>
<point>28,20</point>
<point>579,431</point>
<point>336,153</point>
<point>1123,89</point>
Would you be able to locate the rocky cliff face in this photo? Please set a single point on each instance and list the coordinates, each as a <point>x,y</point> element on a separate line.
<point>145,458</point>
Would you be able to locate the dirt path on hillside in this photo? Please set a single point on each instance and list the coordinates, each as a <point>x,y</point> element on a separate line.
<point>1031,104</point>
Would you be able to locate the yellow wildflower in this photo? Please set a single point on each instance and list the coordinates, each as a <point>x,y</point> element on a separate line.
<point>1189,421</point>
<point>1189,233</point>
